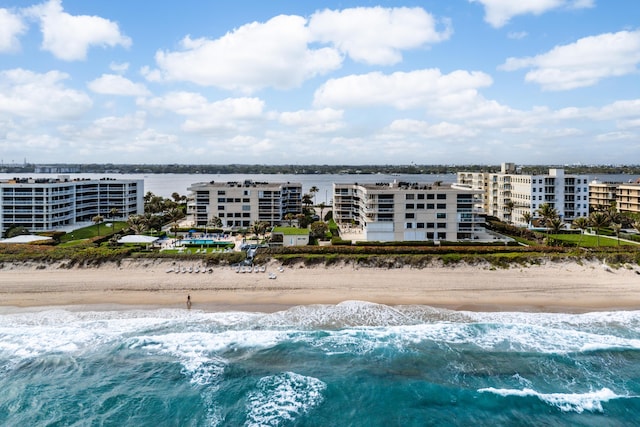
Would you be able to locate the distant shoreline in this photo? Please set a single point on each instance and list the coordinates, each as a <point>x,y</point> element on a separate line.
<point>564,286</point>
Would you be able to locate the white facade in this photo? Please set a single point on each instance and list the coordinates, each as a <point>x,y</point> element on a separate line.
<point>240,204</point>
<point>510,195</point>
<point>409,211</point>
<point>52,204</point>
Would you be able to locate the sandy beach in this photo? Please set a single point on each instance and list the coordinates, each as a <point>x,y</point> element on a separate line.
<point>563,286</point>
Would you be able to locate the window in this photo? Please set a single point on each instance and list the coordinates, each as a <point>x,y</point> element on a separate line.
<point>409,196</point>
<point>441,206</point>
<point>246,200</point>
<point>430,206</point>
<point>430,225</point>
<point>420,225</point>
<point>221,200</point>
<point>409,206</point>
<point>409,215</point>
<point>246,193</point>
<point>442,236</point>
<point>430,196</point>
<point>441,215</point>
<point>420,206</point>
<point>421,196</point>
<point>442,225</point>
<point>441,196</point>
<point>408,225</point>
<point>221,192</point>
<point>246,208</point>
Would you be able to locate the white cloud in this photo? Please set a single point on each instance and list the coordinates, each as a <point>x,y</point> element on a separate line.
<point>40,96</point>
<point>377,35</point>
<point>119,68</point>
<point>203,116</point>
<point>254,56</point>
<point>314,121</point>
<point>517,35</point>
<point>499,12</point>
<point>417,89</point>
<point>112,84</point>
<point>583,63</point>
<point>11,26</point>
<point>69,37</point>
<point>426,130</point>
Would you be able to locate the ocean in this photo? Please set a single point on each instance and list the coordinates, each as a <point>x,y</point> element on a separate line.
<point>350,364</point>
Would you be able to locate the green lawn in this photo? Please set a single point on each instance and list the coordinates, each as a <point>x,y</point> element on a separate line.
<point>92,231</point>
<point>589,241</point>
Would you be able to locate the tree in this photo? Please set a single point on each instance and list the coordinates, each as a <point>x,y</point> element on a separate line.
<point>307,202</point>
<point>259,228</point>
<point>174,215</point>
<point>313,190</point>
<point>318,229</point>
<point>526,217</point>
<point>617,228</point>
<point>547,213</point>
<point>598,220</point>
<point>555,224</point>
<point>581,223</point>
<point>97,220</point>
<point>214,222</point>
<point>113,212</point>
<point>138,224</point>
<point>322,207</point>
<point>289,217</point>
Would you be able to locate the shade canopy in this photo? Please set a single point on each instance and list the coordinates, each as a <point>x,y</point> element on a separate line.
<point>137,238</point>
<point>25,238</point>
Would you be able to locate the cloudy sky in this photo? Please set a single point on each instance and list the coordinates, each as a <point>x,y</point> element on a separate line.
<point>347,82</point>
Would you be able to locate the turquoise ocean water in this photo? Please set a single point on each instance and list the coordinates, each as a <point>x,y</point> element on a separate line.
<point>351,364</point>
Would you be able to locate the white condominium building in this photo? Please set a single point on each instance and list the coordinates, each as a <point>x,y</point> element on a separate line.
<point>401,211</point>
<point>47,204</point>
<point>511,196</point>
<point>240,204</point>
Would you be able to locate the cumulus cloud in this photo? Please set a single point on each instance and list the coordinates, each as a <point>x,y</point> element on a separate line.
<point>314,121</point>
<point>499,12</point>
<point>377,35</point>
<point>11,27</point>
<point>254,56</point>
<point>68,37</point>
<point>40,96</point>
<point>583,63</point>
<point>203,115</point>
<point>430,131</point>
<point>403,90</point>
<point>113,84</point>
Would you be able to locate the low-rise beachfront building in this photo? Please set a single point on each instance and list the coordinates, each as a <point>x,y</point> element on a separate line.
<point>47,204</point>
<point>289,236</point>
<point>401,211</point>
<point>512,196</point>
<point>239,204</point>
<point>628,197</point>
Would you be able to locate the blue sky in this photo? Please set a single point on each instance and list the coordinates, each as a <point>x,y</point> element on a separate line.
<point>349,82</point>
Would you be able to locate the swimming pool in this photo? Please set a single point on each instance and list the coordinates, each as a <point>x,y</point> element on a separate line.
<point>205,242</point>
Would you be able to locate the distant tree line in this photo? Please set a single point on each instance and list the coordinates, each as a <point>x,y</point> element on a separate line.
<point>322,169</point>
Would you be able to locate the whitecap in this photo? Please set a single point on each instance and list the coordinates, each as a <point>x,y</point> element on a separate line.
<point>280,399</point>
<point>566,402</point>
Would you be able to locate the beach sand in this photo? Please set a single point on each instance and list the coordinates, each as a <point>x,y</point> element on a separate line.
<point>554,286</point>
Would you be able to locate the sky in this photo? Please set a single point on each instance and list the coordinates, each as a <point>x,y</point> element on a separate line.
<point>333,82</point>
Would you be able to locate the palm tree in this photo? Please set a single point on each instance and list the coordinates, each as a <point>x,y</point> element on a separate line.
<point>617,227</point>
<point>97,220</point>
<point>137,223</point>
<point>313,190</point>
<point>322,207</point>
<point>547,213</point>
<point>114,212</point>
<point>598,220</point>
<point>214,222</point>
<point>581,223</point>
<point>174,215</point>
<point>259,228</point>
<point>527,217</point>
<point>289,217</point>
<point>307,202</point>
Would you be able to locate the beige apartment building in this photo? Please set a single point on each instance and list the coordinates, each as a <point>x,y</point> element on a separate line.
<point>400,211</point>
<point>510,196</point>
<point>240,204</point>
<point>47,204</point>
<point>625,196</point>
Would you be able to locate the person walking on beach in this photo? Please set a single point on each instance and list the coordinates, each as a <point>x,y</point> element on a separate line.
<point>189,301</point>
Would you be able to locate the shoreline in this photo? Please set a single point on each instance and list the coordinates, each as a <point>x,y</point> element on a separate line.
<point>551,287</point>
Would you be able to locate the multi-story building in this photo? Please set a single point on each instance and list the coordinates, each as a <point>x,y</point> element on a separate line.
<point>239,204</point>
<point>624,196</point>
<point>512,196</point>
<point>47,204</point>
<point>401,211</point>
